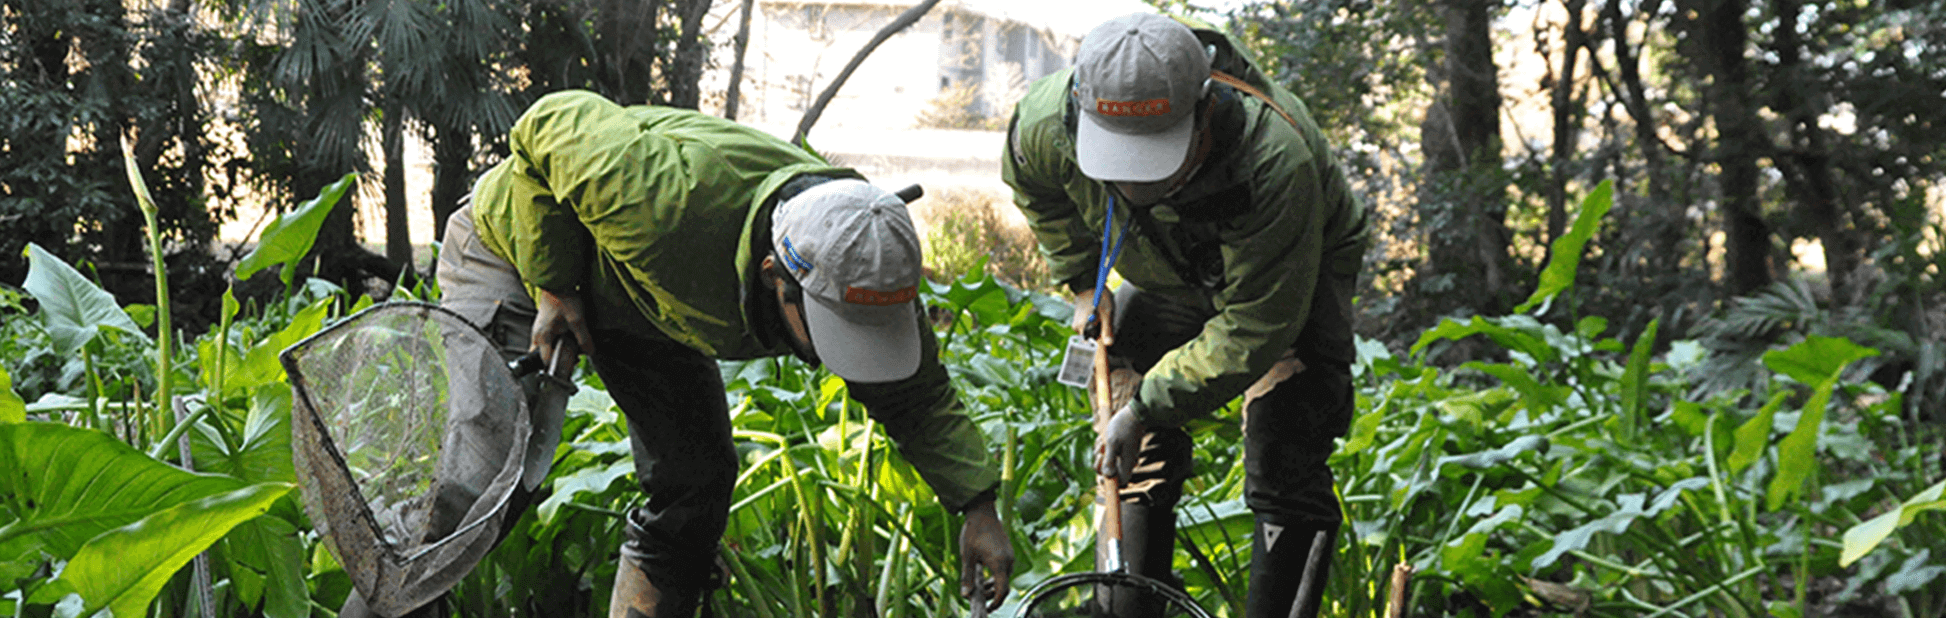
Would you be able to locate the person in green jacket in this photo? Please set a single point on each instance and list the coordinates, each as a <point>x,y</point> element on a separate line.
<point>660,240</point>
<point>1166,155</point>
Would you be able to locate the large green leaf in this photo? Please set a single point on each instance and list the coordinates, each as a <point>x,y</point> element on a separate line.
<point>12,408</point>
<point>290,236</point>
<point>259,366</point>
<point>1818,361</point>
<point>266,560</point>
<point>1566,251</point>
<point>1635,379</point>
<point>1754,434</point>
<point>1516,333</point>
<point>1863,538</point>
<point>66,485</point>
<point>123,569</point>
<point>264,453</point>
<point>73,308</point>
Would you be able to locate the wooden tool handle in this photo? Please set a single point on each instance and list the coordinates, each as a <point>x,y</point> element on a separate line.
<point>1111,486</point>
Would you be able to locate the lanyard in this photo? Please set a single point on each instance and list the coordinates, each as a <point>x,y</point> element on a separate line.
<point>1111,249</point>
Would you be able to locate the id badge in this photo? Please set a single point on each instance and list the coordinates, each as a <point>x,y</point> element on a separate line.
<point>1078,362</point>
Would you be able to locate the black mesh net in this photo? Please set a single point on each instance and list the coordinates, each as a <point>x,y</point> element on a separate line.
<point>408,430</point>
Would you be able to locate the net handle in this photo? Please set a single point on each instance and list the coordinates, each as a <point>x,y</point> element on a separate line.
<point>1110,487</point>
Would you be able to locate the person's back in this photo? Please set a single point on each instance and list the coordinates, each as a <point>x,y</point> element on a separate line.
<point>664,208</point>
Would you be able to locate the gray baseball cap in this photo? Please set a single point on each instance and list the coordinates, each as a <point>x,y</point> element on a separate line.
<point>1138,78</point>
<point>852,247</point>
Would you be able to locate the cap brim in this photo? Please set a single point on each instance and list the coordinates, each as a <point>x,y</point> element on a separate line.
<point>1131,157</point>
<point>883,346</point>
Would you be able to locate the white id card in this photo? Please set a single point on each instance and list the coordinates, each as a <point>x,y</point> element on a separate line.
<point>1078,362</point>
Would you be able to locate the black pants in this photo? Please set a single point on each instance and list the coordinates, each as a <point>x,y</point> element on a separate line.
<point>1290,424</point>
<point>1292,417</point>
<point>672,395</point>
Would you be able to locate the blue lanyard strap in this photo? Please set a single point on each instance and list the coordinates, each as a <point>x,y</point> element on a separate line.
<point>1111,249</point>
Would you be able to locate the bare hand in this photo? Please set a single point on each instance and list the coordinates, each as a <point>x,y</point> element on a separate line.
<point>1119,444</point>
<point>983,542</point>
<point>557,316</point>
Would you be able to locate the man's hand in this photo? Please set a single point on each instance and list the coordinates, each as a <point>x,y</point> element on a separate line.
<point>983,542</point>
<point>1119,444</point>
<point>557,316</point>
<point>1084,303</point>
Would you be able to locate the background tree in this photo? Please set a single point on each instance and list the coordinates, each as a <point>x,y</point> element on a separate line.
<point>71,95</point>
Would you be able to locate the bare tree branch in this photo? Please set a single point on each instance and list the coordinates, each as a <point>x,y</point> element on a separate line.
<point>736,69</point>
<point>906,19</point>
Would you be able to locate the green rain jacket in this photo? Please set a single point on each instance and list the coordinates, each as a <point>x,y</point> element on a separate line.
<point>1266,236</point>
<point>662,216</point>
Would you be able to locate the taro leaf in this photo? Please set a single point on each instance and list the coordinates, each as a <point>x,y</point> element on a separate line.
<point>265,451</point>
<point>69,484</point>
<point>289,238</point>
<point>1507,334</point>
<point>122,569</point>
<point>1914,575</point>
<point>591,479</point>
<point>259,365</point>
<point>12,408</point>
<point>1487,459</point>
<point>1862,538</point>
<point>1363,432</point>
<point>266,560</point>
<point>1566,251</point>
<point>1469,550</point>
<point>1754,434</point>
<point>1631,507</point>
<point>73,308</point>
<point>1635,379</point>
<point>1817,361</point>
<point>1538,397</point>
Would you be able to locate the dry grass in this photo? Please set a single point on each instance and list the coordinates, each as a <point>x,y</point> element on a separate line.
<point>964,226</point>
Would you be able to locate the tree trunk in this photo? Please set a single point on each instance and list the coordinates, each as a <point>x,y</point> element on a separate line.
<point>626,31</point>
<point>452,156</point>
<point>398,229</point>
<point>1466,192</point>
<point>730,102</point>
<point>1723,38</point>
<point>1567,120</point>
<point>685,74</point>
<point>1808,166</point>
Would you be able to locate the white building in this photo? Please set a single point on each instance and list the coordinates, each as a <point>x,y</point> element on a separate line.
<point>994,47</point>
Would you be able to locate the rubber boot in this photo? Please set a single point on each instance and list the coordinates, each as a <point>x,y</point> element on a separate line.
<point>1282,559</point>
<point>1148,548</point>
<point>636,597</point>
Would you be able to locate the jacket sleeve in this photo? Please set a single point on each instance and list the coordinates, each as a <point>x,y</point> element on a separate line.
<point>1032,165</point>
<point>577,158</point>
<point>1273,257</point>
<point>922,414</point>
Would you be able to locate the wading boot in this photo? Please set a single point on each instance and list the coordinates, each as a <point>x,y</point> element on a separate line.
<point>1282,557</point>
<point>636,597</point>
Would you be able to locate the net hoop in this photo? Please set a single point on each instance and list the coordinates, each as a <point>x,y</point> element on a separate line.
<point>1047,591</point>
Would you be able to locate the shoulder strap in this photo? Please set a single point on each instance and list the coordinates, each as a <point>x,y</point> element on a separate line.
<point>1233,82</point>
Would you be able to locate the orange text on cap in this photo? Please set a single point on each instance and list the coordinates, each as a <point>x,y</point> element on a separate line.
<point>1151,107</point>
<point>862,296</point>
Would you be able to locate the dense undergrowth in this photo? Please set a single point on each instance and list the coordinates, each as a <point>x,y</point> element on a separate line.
<point>1575,473</point>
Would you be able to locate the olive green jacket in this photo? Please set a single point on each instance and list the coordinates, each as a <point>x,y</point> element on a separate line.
<point>660,217</point>
<point>1266,236</point>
